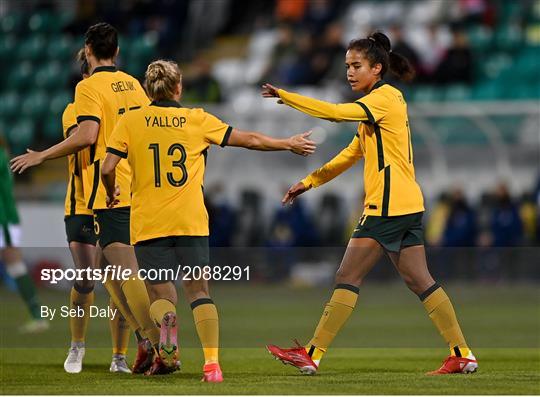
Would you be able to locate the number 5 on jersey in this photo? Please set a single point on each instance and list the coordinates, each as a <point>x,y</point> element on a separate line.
<point>180,163</point>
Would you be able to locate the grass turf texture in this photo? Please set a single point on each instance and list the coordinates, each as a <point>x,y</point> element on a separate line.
<point>387,346</point>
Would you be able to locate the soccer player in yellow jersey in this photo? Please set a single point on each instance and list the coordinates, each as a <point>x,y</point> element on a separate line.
<point>166,146</point>
<point>100,101</point>
<point>82,239</point>
<point>393,207</point>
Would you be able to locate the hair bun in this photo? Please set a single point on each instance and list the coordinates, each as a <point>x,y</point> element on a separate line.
<point>382,40</point>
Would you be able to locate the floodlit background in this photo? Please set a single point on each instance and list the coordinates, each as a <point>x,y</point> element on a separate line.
<point>474,110</point>
<point>475,119</point>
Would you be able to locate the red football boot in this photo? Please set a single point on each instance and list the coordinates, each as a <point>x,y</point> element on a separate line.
<point>457,365</point>
<point>212,373</point>
<point>145,356</point>
<point>159,368</point>
<point>296,356</point>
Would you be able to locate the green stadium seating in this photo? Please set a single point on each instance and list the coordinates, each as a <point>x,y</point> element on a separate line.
<point>33,48</point>
<point>51,75</point>
<point>9,104</point>
<point>480,38</point>
<point>143,47</point>
<point>20,135</point>
<point>456,93</point>
<point>488,90</point>
<point>44,22</point>
<point>458,131</point>
<point>426,94</point>
<point>8,44</point>
<point>58,102</point>
<point>11,23</point>
<point>61,48</point>
<point>52,129</point>
<point>34,105</point>
<point>21,77</point>
<point>508,37</point>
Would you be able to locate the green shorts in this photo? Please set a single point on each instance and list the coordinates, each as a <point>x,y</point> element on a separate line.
<point>113,226</point>
<point>392,232</point>
<point>170,253</point>
<point>80,229</point>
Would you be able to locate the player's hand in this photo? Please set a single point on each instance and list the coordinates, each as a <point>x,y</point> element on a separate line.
<point>269,91</point>
<point>293,192</point>
<point>111,201</point>
<point>300,144</point>
<point>30,159</point>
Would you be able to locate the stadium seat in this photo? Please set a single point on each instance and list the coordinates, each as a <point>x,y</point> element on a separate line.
<point>44,22</point>
<point>11,23</point>
<point>61,48</point>
<point>508,37</point>
<point>21,77</point>
<point>458,131</point>
<point>34,105</point>
<point>8,43</point>
<point>457,92</point>
<point>9,104</point>
<point>51,75</point>
<point>33,48</point>
<point>20,135</point>
<point>143,48</point>
<point>488,90</point>
<point>52,128</point>
<point>426,94</point>
<point>58,103</point>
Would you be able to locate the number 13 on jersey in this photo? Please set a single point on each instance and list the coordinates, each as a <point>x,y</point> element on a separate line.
<point>179,163</point>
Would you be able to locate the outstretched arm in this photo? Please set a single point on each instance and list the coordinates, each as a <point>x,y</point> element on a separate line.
<point>299,144</point>
<point>85,135</point>
<point>317,108</point>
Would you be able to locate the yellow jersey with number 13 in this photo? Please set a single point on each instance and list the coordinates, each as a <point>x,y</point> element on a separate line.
<point>166,146</point>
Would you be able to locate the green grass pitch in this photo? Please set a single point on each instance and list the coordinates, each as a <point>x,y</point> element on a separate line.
<point>385,348</point>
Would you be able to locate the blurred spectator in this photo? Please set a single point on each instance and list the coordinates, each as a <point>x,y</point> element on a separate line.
<point>283,56</point>
<point>402,47</point>
<point>222,217</point>
<point>506,225</point>
<point>250,225</point>
<point>460,229</point>
<point>331,220</point>
<point>290,11</point>
<point>328,59</point>
<point>457,64</point>
<point>293,225</point>
<point>320,13</point>
<point>201,87</point>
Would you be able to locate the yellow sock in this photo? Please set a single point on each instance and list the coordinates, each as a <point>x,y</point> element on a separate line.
<point>120,331</point>
<point>80,298</point>
<point>159,308</point>
<point>117,296</point>
<point>207,324</point>
<point>139,304</point>
<point>336,313</point>
<point>442,313</point>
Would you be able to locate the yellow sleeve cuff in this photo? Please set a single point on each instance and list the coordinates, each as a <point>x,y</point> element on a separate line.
<point>308,182</point>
